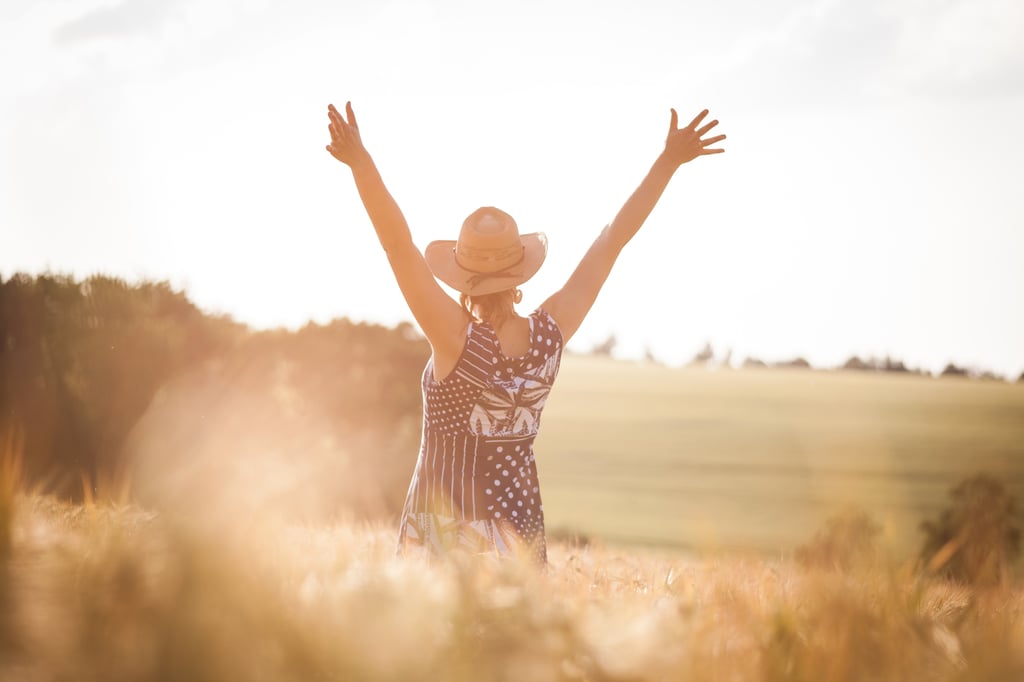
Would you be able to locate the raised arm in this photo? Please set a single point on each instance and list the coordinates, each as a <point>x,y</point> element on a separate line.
<point>441,318</point>
<point>570,304</point>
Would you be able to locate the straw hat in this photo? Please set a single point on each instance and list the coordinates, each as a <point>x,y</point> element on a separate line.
<point>490,254</point>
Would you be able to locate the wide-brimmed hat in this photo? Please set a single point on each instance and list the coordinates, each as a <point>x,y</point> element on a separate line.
<point>488,256</point>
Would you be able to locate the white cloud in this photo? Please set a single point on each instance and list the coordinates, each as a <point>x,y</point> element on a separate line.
<point>126,18</point>
<point>829,52</point>
<point>966,47</point>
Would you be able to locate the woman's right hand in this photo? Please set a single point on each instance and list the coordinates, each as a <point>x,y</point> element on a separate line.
<point>685,144</point>
<point>346,145</point>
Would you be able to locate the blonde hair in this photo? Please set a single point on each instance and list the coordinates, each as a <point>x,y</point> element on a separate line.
<point>494,309</point>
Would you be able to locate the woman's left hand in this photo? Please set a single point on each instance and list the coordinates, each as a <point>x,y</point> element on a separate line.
<point>686,144</point>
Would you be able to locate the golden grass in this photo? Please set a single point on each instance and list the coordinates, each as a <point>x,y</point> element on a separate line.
<point>695,458</point>
<point>116,593</point>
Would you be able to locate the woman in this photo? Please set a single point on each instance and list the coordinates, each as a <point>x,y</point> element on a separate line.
<point>475,484</point>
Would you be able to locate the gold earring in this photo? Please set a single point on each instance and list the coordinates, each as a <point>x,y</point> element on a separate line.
<point>518,295</point>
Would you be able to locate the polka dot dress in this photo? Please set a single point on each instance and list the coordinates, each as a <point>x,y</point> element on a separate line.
<point>475,486</point>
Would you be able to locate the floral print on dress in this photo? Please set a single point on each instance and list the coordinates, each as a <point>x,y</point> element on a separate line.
<point>510,408</point>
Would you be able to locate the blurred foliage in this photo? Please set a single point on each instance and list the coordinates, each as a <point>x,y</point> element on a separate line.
<point>320,422</point>
<point>848,540</point>
<point>82,362</point>
<point>10,481</point>
<point>977,539</point>
<point>874,364</point>
<point>79,363</point>
<point>605,348</point>
<point>951,370</point>
<point>704,356</point>
<point>367,375</point>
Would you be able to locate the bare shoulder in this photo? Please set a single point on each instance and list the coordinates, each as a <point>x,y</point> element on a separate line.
<point>447,350</point>
<point>566,311</point>
<point>553,308</point>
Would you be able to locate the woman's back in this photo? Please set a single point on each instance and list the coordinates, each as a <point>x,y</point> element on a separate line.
<point>475,485</point>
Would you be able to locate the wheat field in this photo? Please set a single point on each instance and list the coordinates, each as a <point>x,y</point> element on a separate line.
<point>108,593</point>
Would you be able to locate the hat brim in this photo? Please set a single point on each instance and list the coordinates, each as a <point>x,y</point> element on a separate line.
<point>440,256</point>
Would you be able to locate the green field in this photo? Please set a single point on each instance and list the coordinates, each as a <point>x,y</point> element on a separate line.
<point>721,459</point>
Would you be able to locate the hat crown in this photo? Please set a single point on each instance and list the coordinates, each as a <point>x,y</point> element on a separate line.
<point>490,254</point>
<point>488,244</point>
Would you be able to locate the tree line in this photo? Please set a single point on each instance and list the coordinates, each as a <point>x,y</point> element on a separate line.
<point>707,356</point>
<point>82,361</point>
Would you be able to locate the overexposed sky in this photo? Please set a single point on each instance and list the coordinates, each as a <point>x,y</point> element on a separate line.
<point>869,202</point>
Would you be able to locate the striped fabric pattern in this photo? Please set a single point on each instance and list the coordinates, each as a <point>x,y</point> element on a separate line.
<point>475,485</point>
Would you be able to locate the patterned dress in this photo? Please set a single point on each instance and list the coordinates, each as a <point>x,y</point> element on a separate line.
<point>475,486</point>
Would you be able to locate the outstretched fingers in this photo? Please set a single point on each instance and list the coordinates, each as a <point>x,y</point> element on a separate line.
<point>673,123</point>
<point>344,130</point>
<point>704,129</point>
<point>687,143</point>
<point>336,120</point>
<point>696,121</point>
<point>336,128</point>
<point>712,150</point>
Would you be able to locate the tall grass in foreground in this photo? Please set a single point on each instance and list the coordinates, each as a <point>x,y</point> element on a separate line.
<point>105,593</point>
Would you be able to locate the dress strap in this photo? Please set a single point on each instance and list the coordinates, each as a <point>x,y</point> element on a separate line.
<point>544,318</point>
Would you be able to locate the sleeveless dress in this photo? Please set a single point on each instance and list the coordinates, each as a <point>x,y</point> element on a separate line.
<point>475,485</point>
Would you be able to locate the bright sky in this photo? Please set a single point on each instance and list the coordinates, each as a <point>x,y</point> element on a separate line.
<point>870,200</point>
